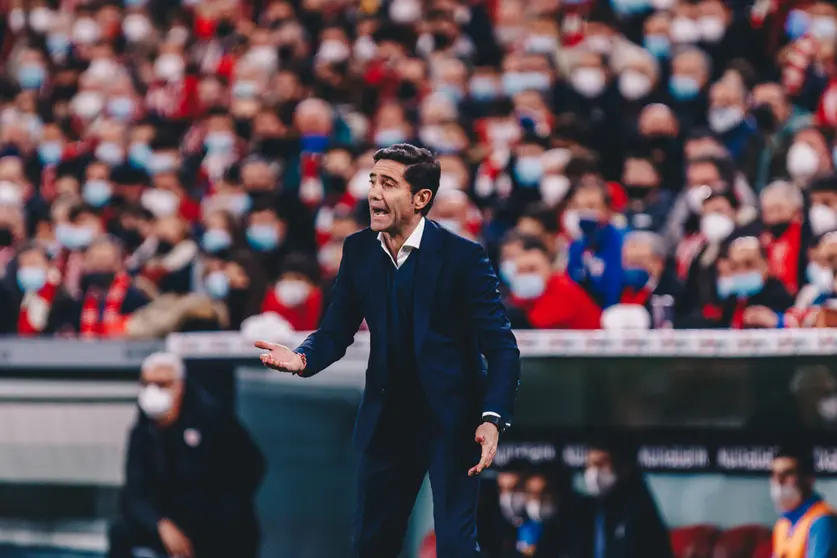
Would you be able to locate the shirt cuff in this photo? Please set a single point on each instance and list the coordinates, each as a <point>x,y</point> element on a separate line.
<point>490,414</point>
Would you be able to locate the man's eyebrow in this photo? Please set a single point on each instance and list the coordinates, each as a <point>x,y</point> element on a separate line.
<point>372,176</point>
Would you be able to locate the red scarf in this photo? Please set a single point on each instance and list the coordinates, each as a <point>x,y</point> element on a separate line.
<point>783,256</point>
<point>112,322</point>
<point>35,308</point>
<point>633,296</point>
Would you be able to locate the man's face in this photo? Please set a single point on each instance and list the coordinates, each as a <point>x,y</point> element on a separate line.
<point>590,200</point>
<point>815,140</point>
<point>690,64</point>
<point>533,262</point>
<point>726,94</point>
<point>777,209</point>
<point>507,481</point>
<point>102,258</point>
<point>639,255</point>
<point>257,176</point>
<point>828,199</point>
<point>392,205</point>
<point>788,486</point>
<point>702,174</point>
<point>598,459</point>
<point>164,378</point>
<point>719,205</point>
<point>772,95</point>
<point>639,173</point>
<point>745,257</point>
<point>34,259</point>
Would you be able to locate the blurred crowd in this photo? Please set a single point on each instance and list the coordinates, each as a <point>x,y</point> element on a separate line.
<point>195,165</point>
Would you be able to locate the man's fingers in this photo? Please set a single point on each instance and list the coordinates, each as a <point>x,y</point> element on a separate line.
<point>480,438</point>
<point>266,345</point>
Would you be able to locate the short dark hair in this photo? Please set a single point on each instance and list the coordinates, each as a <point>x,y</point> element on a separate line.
<point>800,451</point>
<point>422,170</point>
<point>543,214</point>
<point>824,182</point>
<point>533,243</point>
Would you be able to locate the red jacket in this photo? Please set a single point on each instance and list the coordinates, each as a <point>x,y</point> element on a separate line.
<point>563,305</point>
<point>305,317</point>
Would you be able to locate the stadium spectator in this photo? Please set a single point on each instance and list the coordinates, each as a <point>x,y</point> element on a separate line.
<point>544,298</point>
<point>808,525</point>
<point>191,473</point>
<point>781,211</point>
<point>296,296</point>
<point>646,275</point>
<point>625,521</point>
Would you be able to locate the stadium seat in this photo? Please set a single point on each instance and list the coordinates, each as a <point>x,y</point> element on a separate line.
<point>694,541</point>
<point>428,546</point>
<point>740,542</point>
<point>764,549</point>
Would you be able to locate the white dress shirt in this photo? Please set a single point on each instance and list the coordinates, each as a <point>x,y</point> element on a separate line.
<point>413,242</point>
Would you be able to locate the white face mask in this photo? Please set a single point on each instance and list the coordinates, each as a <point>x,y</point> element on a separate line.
<point>572,223</point>
<point>824,28</point>
<point>634,85</point>
<point>136,28</point>
<point>86,31</point>
<point>695,197</point>
<point>527,286</point>
<point>332,51</point>
<point>512,504</point>
<point>161,203</point>
<point>599,43</point>
<point>169,67</point>
<point>716,227</point>
<point>724,119</point>
<point>359,184</point>
<point>827,408</point>
<point>451,224</point>
<point>684,30</point>
<point>785,497</point>
<point>292,292</point>
<point>263,56</point>
<point>41,18</point>
<point>539,511</point>
<point>88,105</point>
<point>553,189</point>
<point>802,161</point>
<point>590,82</point>
<point>598,481</point>
<point>820,277</point>
<point>404,12</point>
<point>822,218</point>
<point>155,401</point>
<point>712,29</point>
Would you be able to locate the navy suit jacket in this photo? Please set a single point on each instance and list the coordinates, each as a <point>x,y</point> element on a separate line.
<point>458,319</point>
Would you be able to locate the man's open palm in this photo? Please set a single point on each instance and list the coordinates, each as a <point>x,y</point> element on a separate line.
<point>280,358</point>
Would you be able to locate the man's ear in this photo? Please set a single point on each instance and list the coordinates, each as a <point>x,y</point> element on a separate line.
<point>422,198</point>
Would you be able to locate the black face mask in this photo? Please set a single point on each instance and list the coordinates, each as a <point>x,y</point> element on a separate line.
<point>407,91</point>
<point>224,28</point>
<point>286,53</point>
<point>244,128</point>
<point>778,229</point>
<point>441,41</point>
<point>638,192</point>
<point>130,237</point>
<point>276,147</point>
<point>765,119</point>
<point>164,247</point>
<point>5,236</point>
<point>333,184</point>
<point>98,280</point>
<point>63,93</point>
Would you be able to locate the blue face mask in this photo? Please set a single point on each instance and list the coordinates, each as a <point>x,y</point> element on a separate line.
<point>161,162</point>
<point>97,192</point>
<point>744,285</point>
<point>31,76</point>
<point>658,45</point>
<point>58,45</point>
<point>110,153</point>
<point>314,143</point>
<point>528,286</point>
<point>588,222</point>
<point>528,171</point>
<point>635,277</point>
<point>121,108</point>
<point>245,90</point>
<point>139,155</point>
<point>629,7</point>
<point>215,240</point>
<point>31,279</point>
<point>725,287</point>
<point>217,284</point>
<point>50,152</point>
<point>453,92</point>
<point>71,237</point>
<point>513,83</point>
<point>797,24</point>
<point>386,138</point>
<point>683,88</point>
<point>508,269</point>
<point>263,237</point>
<point>483,89</point>
<point>219,142</point>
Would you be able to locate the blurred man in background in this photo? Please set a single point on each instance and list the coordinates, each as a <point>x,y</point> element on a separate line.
<point>808,526</point>
<point>191,474</point>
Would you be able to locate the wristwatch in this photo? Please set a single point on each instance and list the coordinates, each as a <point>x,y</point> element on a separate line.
<point>496,421</point>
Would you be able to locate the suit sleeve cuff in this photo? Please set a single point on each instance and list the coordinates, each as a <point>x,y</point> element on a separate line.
<point>493,414</point>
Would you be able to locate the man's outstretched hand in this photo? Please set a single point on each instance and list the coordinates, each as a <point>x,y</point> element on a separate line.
<point>488,437</point>
<point>281,358</point>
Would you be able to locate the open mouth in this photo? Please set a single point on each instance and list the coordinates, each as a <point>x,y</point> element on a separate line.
<point>379,212</point>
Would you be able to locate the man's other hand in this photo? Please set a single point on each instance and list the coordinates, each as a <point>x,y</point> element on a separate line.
<point>487,436</point>
<point>176,543</point>
<point>280,358</point>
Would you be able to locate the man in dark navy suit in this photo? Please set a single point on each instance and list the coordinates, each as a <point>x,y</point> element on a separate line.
<point>431,302</point>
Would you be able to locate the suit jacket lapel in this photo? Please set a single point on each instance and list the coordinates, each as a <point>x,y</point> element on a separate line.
<point>427,270</point>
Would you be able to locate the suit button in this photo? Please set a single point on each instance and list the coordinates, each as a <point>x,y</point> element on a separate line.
<point>383,391</point>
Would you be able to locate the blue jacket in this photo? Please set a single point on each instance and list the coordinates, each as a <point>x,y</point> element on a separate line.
<point>458,318</point>
<point>600,271</point>
<point>822,536</point>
